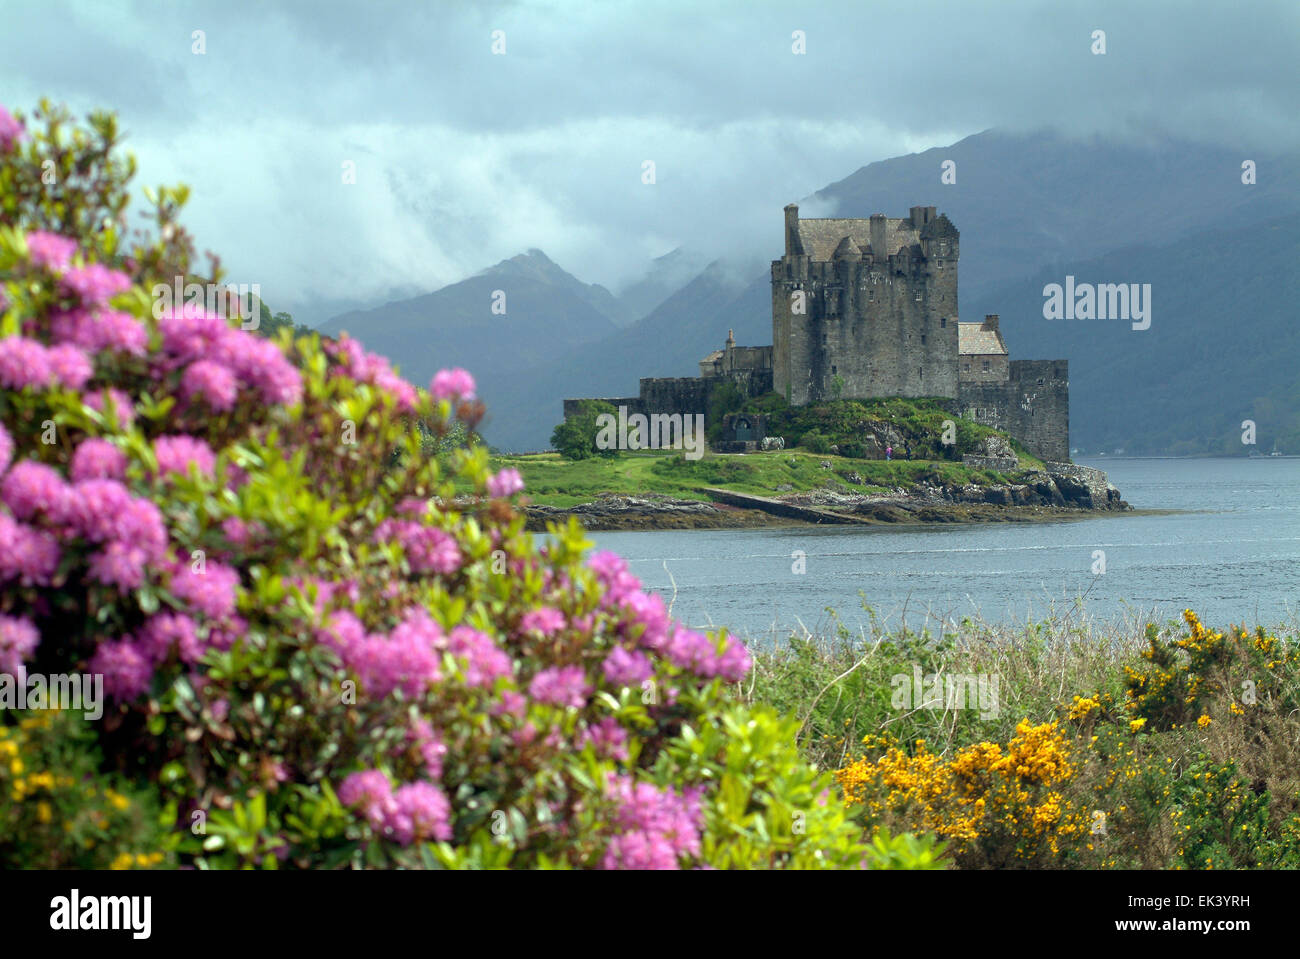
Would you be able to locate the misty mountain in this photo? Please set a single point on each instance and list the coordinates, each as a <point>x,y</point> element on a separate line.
<point>548,314</point>
<point>670,341</point>
<point>667,274</point>
<point>1026,201</point>
<point>1222,346</point>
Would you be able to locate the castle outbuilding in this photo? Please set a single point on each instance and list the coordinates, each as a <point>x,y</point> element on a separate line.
<point>866,308</point>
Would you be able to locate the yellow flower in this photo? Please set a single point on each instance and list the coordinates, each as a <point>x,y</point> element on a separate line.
<point>123,861</point>
<point>1136,724</point>
<point>1204,721</point>
<point>44,813</point>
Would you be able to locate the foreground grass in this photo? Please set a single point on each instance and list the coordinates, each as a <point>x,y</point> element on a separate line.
<point>1081,744</point>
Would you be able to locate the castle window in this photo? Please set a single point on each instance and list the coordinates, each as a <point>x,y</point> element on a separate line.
<point>833,370</point>
<point>943,323</point>
<point>965,367</point>
<point>918,294</point>
<point>986,366</point>
<point>1040,381</point>
<point>922,339</point>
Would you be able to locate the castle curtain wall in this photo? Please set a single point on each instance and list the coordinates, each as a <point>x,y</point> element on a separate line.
<point>1033,406</point>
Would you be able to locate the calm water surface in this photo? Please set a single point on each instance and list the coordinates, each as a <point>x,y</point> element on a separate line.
<point>1233,554</point>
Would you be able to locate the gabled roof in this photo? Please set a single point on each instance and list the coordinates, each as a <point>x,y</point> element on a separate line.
<point>821,237</point>
<point>977,339</point>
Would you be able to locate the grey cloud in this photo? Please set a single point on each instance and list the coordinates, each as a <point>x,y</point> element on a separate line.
<point>465,158</point>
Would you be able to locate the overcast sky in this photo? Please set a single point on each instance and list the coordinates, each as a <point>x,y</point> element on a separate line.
<point>464,157</point>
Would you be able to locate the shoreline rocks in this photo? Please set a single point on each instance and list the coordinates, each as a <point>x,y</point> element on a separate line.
<point>1061,491</point>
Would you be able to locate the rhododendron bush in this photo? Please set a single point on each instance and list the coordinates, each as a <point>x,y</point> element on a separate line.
<point>314,652</point>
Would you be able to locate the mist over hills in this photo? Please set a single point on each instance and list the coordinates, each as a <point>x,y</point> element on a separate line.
<point>1031,208</point>
<point>1223,345</point>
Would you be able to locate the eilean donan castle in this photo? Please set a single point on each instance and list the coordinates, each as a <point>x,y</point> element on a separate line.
<point>865,308</point>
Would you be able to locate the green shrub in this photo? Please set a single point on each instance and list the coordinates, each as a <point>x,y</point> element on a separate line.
<point>323,648</point>
<point>815,442</point>
<point>576,437</point>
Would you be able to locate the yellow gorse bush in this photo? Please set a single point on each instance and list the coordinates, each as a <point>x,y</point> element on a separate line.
<point>997,804</point>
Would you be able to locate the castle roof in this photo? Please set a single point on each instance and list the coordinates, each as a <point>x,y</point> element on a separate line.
<point>979,340</point>
<point>821,237</point>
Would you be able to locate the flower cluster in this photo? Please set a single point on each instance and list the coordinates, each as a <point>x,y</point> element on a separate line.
<point>413,811</point>
<point>656,828</point>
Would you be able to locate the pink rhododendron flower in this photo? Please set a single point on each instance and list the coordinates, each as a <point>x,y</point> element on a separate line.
<point>544,620</point>
<point>49,250</point>
<point>18,641</point>
<point>95,509</point>
<point>373,369</point>
<point>95,283</point>
<point>126,669</point>
<point>698,653</point>
<point>176,453</point>
<point>11,131</point>
<point>408,659</point>
<point>32,489</point>
<point>23,363</point>
<point>209,589</point>
<point>512,703</point>
<point>455,383</point>
<point>613,576</point>
<point>505,483</point>
<point>655,827</point>
<point>113,400</point>
<point>119,564</point>
<point>372,792</point>
<point>608,738</point>
<point>97,459</point>
<point>647,616</point>
<point>420,811</point>
<point>224,635</point>
<point>561,686</point>
<point>428,549</point>
<point>212,383</point>
<point>485,661</point>
<point>624,667</point>
<point>97,330</point>
<point>6,449</point>
<point>432,749</point>
<point>70,367</point>
<point>27,554</point>
<point>190,334</point>
<point>164,632</point>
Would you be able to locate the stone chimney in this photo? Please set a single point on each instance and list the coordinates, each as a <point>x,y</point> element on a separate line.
<point>793,246</point>
<point>991,321</point>
<point>879,229</point>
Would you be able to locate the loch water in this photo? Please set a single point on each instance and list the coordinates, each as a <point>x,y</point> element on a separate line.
<point>1229,548</point>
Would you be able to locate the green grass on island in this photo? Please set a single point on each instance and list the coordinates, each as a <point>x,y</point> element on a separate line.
<point>554,480</point>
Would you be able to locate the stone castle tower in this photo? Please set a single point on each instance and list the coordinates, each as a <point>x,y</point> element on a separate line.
<point>864,308</point>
